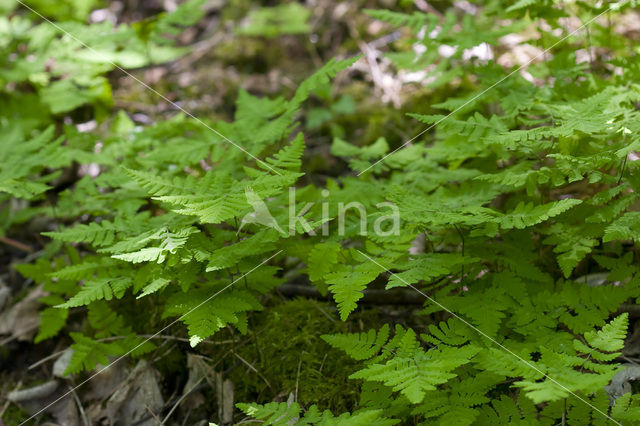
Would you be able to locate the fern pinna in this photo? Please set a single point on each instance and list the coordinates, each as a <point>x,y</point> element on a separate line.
<point>518,213</point>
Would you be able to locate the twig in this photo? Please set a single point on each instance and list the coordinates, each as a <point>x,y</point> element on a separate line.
<point>16,244</point>
<point>186,418</point>
<point>624,164</point>
<point>154,415</point>
<point>248,364</point>
<point>79,404</point>
<point>45,359</point>
<point>184,395</point>
<point>168,337</point>
<point>632,309</point>
<point>370,55</point>
<point>322,363</point>
<point>155,357</point>
<point>224,355</point>
<point>631,360</point>
<point>315,305</point>
<point>112,338</point>
<point>298,377</point>
<point>371,296</point>
<point>4,408</point>
<point>12,338</point>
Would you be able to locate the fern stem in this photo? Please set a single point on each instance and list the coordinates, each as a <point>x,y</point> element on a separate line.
<point>462,266</point>
<point>16,244</point>
<point>624,165</point>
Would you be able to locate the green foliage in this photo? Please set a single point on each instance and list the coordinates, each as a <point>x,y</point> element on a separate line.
<point>511,208</point>
<point>288,18</point>
<point>22,160</point>
<point>288,413</point>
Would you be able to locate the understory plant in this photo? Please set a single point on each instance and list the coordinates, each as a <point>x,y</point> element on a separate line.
<point>513,213</point>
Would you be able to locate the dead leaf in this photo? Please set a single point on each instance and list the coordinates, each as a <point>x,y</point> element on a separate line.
<point>22,320</point>
<point>5,293</point>
<point>138,395</point>
<point>199,370</point>
<point>33,399</point>
<point>620,384</point>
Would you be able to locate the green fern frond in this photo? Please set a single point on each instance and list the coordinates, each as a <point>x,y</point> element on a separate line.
<point>98,289</point>
<point>414,375</point>
<point>52,320</point>
<point>416,21</point>
<point>87,353</point>
<point>360,346</point>
<point>203,319</point>
<point>287,413</point>
<point>98,234</point>
<point>525,215</point>
<point>347,284</point>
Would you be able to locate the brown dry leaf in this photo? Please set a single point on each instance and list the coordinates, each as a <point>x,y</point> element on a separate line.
<point>199,371</point>
<point>35,398</point>
<point>103,385</point>
<point>5,294</point>
<point>137,395</point>
<point>107,382</point>
<point>224,394</point>
<point>22,320</point>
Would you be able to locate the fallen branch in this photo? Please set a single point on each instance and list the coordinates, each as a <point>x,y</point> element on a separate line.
<point>632,309</point>
<point>371,296</point>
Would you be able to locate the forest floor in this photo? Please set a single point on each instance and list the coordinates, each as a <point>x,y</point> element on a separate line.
<point>262,365</point>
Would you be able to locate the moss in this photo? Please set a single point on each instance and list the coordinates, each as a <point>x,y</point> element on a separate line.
<point>289,353</point>
<point>13,416</point>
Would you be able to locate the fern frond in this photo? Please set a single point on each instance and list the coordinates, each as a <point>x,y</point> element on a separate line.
<point>609,339</point>
<point>360,346</point>
<point>414,375</point>
<point>416,20</point>
<point>428,266</point>
<point>213,315</point>
<point>98,234</point>
<point>626,227</point>
<point>525,215</point>
<point>87,353</point>
<point>347,284</point>
<point>321,259</point>
<point>52,320</point>
<point>98,289</point>
<point>287,413</point>
<point>288,158</point>
<point>321,76</point>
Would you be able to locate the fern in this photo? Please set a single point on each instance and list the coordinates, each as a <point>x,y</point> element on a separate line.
<point>211,315</point>
<point>290,18</point>
<point>347,284</point>
<point>24,159</point>
<point>561,366</point>
<point>517,211</point>
<point>98,289</point>
<point>361,346</point>
<point>410,370</point>
<point>287,413</point>
<point>52,320</point>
